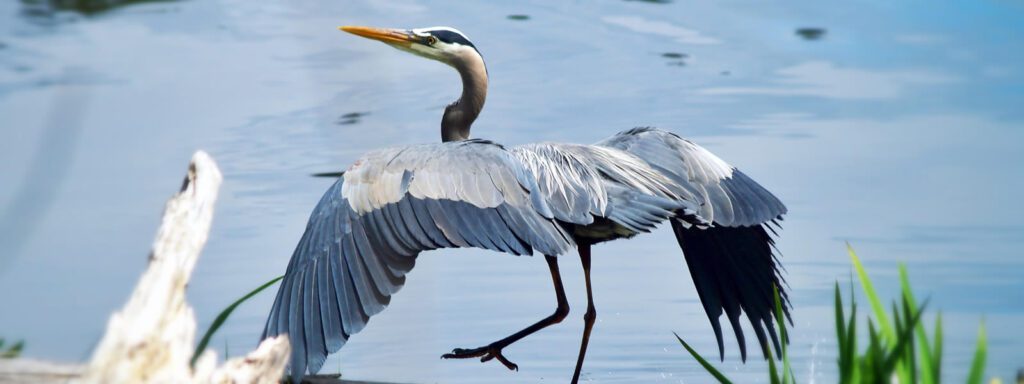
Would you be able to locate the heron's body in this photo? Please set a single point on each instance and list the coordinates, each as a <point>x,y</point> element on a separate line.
<point>550,198</point>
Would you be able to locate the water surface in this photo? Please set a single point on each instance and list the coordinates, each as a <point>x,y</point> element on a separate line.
<point>898,128</point>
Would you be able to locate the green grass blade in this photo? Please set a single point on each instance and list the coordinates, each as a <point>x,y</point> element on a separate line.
<point>704,363</point>
<point>911,362</point>
<point>773,372</point>
<point>924,350</point>
<point>223,316</point>
<point>845,360</point>
<point>13,351</point>
<point>978,364</point>
<point>840,319</point>
<point>851,343</point>
<point>869,291</point>
<point>937,351</point>
<point>903,340</point>
<point>899,354</point>
<point>787,376</point>
<point>874,355</point>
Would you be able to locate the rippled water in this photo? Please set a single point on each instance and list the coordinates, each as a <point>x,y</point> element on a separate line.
<point>895,126</point>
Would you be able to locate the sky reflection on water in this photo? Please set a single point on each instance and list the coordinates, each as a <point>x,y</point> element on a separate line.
<point>900,131</point>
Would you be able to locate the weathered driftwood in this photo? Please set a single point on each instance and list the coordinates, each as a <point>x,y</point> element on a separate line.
<point>36,371</point>
<point>151,338</point>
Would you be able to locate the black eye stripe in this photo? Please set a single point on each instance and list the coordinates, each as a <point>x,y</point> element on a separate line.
<point>452,38</point>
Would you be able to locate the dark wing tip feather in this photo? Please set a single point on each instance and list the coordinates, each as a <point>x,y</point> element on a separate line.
<point>734,269</point>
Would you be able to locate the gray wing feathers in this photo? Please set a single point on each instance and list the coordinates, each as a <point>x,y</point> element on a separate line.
<point>574,192</point>
<point>727,197</point>
<point>580,182</point>
<point>364,235</point>
<point>639,212</point>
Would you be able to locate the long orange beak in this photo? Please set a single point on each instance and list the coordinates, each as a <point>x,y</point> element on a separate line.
<point>390,36</point>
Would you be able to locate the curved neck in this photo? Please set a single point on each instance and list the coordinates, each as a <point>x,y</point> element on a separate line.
<point>459,116</point>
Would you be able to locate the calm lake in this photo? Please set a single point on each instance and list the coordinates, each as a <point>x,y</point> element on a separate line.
<point>895,126</point>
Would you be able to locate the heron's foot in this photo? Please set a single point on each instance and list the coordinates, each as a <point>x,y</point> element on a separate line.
<point>486,353</point>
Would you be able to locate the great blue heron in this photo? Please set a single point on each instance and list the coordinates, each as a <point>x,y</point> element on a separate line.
<point>364,235</point>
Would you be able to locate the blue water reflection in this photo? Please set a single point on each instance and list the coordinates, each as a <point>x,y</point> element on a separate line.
<point>898,130</point>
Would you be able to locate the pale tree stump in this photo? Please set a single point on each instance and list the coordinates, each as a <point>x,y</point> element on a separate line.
<point>151,339</point>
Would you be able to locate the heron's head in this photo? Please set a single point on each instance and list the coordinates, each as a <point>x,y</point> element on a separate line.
<point>444,44</point>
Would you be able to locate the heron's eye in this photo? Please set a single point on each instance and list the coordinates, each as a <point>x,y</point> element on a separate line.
<point>431,40</point>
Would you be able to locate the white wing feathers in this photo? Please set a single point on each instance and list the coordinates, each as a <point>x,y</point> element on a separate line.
<point>581,182</point>
<point>727,197</point>
<point>466,171</point>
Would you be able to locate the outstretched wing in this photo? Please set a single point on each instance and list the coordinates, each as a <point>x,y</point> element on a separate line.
<point>732,262</point>
<point>364,235</point>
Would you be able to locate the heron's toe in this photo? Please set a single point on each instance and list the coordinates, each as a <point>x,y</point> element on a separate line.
<point>495,353</point>
<point>464,353</point>
<point>488,353</point>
